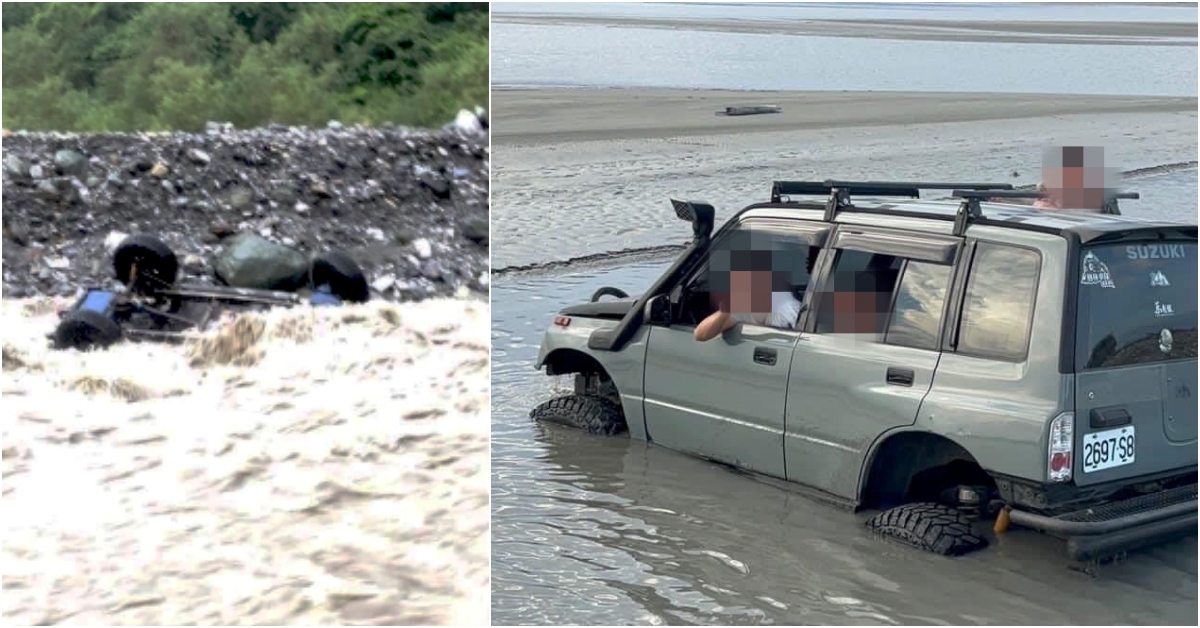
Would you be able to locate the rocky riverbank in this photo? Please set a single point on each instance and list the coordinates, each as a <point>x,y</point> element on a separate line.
<point>410,206</point>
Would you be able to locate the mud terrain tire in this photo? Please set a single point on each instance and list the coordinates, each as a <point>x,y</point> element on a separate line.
<point>153,258</point>
<point>929,526</point>
<point>86,329</point>
<point>343,275</point>
<point>592,414</point>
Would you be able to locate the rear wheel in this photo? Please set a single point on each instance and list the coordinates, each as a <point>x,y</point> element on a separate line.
<point>145,263</point>
<point>929,526</point>
<point>86,329</point>
<point>592,414</point>
<point>343,276</point>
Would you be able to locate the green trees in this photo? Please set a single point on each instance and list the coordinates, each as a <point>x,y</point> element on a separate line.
<point>173,66</point>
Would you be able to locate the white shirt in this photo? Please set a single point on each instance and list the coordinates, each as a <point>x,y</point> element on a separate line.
<point>784,314</point>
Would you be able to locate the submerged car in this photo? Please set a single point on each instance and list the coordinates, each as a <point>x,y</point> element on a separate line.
<point>153,306</point>
<point>953,363</point>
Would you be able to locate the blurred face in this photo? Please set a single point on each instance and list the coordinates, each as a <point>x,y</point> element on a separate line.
<point>1074,178</point>
<point>750,291</point>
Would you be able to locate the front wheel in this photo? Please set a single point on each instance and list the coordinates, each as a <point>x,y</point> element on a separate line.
<point>86,329</point>
<point>929,526</point>
<point>592,414</point>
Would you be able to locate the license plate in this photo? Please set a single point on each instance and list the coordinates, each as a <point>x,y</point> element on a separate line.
<point>1108,449</point>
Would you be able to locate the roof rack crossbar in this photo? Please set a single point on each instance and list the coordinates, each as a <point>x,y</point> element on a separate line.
<point>922,185</point>
<point>839,191</point>
<point>967,193</point>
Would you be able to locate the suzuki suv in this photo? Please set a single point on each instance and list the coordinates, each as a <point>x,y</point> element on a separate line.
<point>952,363</point>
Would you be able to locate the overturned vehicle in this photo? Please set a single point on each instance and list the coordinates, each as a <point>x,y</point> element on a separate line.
<point>153,306</point>
<point>950,368</point>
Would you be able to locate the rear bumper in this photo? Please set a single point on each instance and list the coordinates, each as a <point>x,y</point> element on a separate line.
<point>1120,526</point>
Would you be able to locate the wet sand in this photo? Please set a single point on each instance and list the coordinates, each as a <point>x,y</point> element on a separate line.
<point>307,466</point>
<point>1103,33</point>
<point>584,171</point>
<point>553,116</point>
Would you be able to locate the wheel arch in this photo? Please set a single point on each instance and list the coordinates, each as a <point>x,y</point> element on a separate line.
<point>898,461</point>
<point>620,380</point>
<point>565,360</point>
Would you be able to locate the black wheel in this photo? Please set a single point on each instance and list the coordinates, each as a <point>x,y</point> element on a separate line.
<point>595,415</point>
<point>610,292</point>
<point>156,264</point>
<point>929,526</point>
<point>342,275</point>
<point>86,329</point>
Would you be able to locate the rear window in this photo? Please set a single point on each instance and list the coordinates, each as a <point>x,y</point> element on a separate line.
<point>1137,304</point>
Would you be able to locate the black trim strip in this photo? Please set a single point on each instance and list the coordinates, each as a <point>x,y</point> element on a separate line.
<point>952,310</point>
<point>897,243</point>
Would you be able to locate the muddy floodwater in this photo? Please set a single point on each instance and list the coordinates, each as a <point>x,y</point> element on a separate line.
<point>305,466</point>
<point>593,530</point>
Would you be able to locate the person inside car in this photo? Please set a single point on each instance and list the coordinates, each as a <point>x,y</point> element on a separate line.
<point>756,295</point>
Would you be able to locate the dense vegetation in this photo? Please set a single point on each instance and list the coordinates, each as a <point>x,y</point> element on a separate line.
<point>91,66</point>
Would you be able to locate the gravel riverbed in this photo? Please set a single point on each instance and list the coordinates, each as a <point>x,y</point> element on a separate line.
<point>410,206</point>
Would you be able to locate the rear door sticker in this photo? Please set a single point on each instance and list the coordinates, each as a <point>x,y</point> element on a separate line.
<point>1156,251</point>
<point>1159,280</point>
<point>1163,309</point>
<point>1095,272</point>
<point>1165,341</point>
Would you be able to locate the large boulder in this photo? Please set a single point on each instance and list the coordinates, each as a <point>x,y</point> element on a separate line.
<point>70,163</point>
<point>16,166</point>
<point>251,261</point>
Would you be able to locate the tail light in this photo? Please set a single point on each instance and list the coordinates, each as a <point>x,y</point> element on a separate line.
<point>1062,448</point>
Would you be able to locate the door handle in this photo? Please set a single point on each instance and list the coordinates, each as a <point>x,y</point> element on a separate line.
<point>763,355</point>
<point>899,376</point>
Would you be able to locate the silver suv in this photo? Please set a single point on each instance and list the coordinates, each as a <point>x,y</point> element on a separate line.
<point>953,363</point>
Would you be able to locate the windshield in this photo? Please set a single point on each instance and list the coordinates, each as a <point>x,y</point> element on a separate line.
<point>1137,304</point>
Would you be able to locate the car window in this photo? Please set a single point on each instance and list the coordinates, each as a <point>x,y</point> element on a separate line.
<point>917,315</point>
<point>786,253</point>
<point>751,246</point>
<point>1137,304</point>
<point>997,307</point>
<point>859,293</point>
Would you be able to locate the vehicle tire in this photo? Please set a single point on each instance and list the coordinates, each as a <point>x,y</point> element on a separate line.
<point>610,292</point>
<point>86,329</point>
<point>594,415</point>
<point>929,526</point>
<point>343,275</point>
<point>157,266</point>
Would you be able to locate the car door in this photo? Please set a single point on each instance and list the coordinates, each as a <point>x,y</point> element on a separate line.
<point>869,358</point>
<point>724,399</point>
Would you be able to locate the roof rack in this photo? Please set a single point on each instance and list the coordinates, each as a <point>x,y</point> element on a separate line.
<point>839,191</point>
<point>970,209</point>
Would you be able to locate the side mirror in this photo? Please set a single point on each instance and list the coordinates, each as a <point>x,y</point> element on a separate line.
<point>658,311</point>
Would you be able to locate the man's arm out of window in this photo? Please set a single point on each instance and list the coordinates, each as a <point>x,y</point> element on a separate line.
<point>714,325</point>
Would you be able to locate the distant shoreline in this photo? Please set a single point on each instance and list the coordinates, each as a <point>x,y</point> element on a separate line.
<point>990,31</point>
<point>552,115</point>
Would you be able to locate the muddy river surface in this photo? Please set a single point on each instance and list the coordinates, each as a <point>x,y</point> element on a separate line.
<point>591,530</point>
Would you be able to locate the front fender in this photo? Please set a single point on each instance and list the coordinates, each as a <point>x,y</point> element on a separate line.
<point>573,336</point>
<point>625,367</point>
